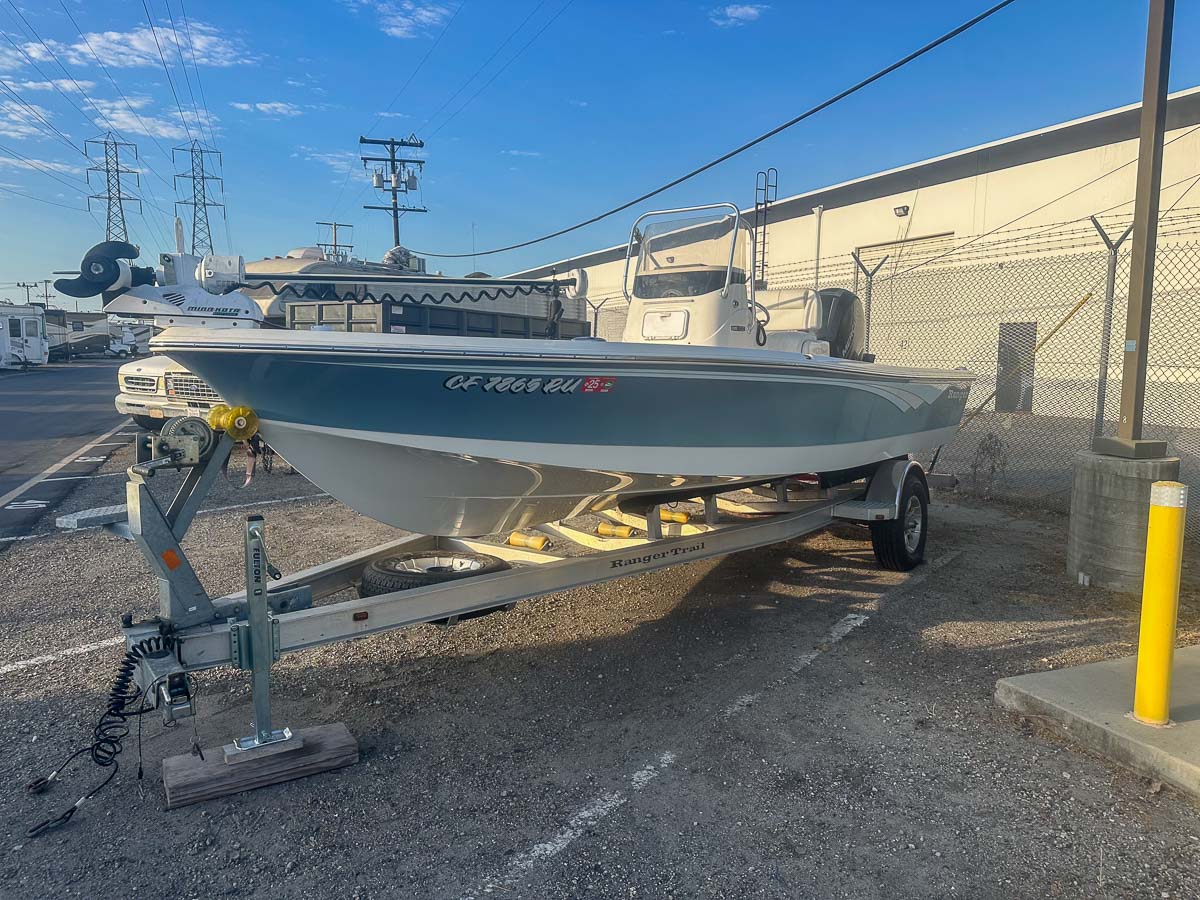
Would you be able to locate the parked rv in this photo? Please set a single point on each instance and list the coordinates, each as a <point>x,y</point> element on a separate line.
<point>22,335</point>
<point>78,334</point>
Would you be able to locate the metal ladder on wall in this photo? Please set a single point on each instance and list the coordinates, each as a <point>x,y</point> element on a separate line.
<point>765,188</point>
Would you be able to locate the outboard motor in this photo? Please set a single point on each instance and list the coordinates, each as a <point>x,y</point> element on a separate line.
<point>843,323</point>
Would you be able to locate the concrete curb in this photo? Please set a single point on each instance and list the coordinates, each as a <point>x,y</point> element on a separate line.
<point>1090,705</point>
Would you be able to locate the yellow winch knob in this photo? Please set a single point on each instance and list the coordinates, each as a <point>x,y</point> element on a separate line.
<point>241,423</point>
<point>216,417</point>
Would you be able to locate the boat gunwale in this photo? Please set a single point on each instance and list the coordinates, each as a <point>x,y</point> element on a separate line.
<point>843,368</point>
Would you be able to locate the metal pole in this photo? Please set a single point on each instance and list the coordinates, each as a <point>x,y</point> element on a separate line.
<point>870,273</point>
<point>395,199</point>
<point>1110,286</point>
<point>817,211</point>
<point>261,649</point>
<point>1129,442</point>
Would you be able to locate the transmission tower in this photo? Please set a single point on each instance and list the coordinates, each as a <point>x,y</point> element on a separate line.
<point>395,175</point>
<point>201,235</point>
<point>114,198</point>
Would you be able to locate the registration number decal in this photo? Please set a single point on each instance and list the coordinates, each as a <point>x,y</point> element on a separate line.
<point>522,384</point>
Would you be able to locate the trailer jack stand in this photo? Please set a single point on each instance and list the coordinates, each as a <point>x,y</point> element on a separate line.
<point>269,755</point>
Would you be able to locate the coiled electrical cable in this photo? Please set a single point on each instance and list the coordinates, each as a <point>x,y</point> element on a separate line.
<point>109,732</point>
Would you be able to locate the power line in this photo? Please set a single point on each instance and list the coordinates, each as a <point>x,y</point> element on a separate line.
<point>916,54</point>
<point>562,9</point>
<point>120,92</point>
<point>187,28</point>
<point>9,190</point>
<point>391,103</point>
<point>37,166</point>
<point>58,62</point>
<point>78,87</point>
<point>36,113</point>
<point>187,78</point>
<point>512,34</point>
<point>166,70</point>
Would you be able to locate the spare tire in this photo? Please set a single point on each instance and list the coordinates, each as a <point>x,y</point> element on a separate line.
<point>405,571</point>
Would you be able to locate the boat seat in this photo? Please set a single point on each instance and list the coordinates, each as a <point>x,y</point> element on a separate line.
<point>792,310</point>
<point>795,341</point>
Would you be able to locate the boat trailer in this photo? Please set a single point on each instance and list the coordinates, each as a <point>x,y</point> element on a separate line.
<point>279,614</point>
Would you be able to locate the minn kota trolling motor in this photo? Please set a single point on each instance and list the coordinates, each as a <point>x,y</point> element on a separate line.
<point>184,290</point>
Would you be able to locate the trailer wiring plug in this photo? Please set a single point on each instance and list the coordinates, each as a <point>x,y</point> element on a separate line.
<point>110,730</point>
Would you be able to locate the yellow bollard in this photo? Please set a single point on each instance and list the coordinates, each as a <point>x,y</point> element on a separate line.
<point>1160,603</point>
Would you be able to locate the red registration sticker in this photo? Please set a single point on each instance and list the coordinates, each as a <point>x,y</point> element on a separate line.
<point>596,384</point>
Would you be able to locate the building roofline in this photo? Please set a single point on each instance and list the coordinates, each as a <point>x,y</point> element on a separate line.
<point>1086,132</point>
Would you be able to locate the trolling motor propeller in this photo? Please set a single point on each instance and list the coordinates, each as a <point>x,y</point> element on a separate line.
<point>104,269</point>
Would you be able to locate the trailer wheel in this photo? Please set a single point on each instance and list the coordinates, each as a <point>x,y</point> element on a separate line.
<point>900,543</point>
<point>421,569</point>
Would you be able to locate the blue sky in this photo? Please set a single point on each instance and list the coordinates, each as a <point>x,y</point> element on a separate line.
<point>536,113</point>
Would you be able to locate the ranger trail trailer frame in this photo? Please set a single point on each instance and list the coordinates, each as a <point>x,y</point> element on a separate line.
<point>251,629</point>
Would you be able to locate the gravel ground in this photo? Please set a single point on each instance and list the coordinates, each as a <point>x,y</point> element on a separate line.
<point>784,722</point>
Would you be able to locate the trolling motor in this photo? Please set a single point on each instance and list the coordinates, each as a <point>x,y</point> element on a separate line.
<point>185,290</point>
<point>104,271</point>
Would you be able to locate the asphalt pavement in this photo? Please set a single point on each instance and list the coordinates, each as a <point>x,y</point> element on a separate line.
<point>51,418</point>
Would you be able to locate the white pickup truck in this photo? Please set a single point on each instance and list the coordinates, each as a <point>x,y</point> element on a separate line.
<point>157,388</point>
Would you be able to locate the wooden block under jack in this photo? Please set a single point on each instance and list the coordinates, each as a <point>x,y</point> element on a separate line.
<point>190,779</point>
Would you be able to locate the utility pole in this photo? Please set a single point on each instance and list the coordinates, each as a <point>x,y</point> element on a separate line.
<point>396,175</point>
<point>28,287</point>
<point>335,250</point>
<point>46,295</point>
<point>201,235</point>
<point>113,196</point>
<point>1129,442</point>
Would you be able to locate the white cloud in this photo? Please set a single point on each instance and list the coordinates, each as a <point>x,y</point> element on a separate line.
<point>394,115</point>
<point>582,104</point>
<point>141,119</point>
<point>61,84</point>
<point>404,18</point>
<point>19,121</point>
<point>42,164</point>
<point>208,46</point>
<point>273,108</point>
<point>340,161</point>
<point>737,14</point>
<point>521,152</point>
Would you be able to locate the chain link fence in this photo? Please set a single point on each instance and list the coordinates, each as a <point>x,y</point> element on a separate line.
<point>1008,307</point>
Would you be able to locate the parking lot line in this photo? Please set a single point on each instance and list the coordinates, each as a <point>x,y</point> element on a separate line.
<point>61,464</point>
<point>523,863</point>
<point>82,477</point>
<point>61,654</point>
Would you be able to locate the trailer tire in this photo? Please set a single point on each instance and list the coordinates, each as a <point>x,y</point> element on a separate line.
<point>899,544</point>
<point>405,571</point>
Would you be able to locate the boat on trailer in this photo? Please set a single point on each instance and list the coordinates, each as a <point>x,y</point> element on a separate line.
<point>703,416</point>
<point>460,436</point>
